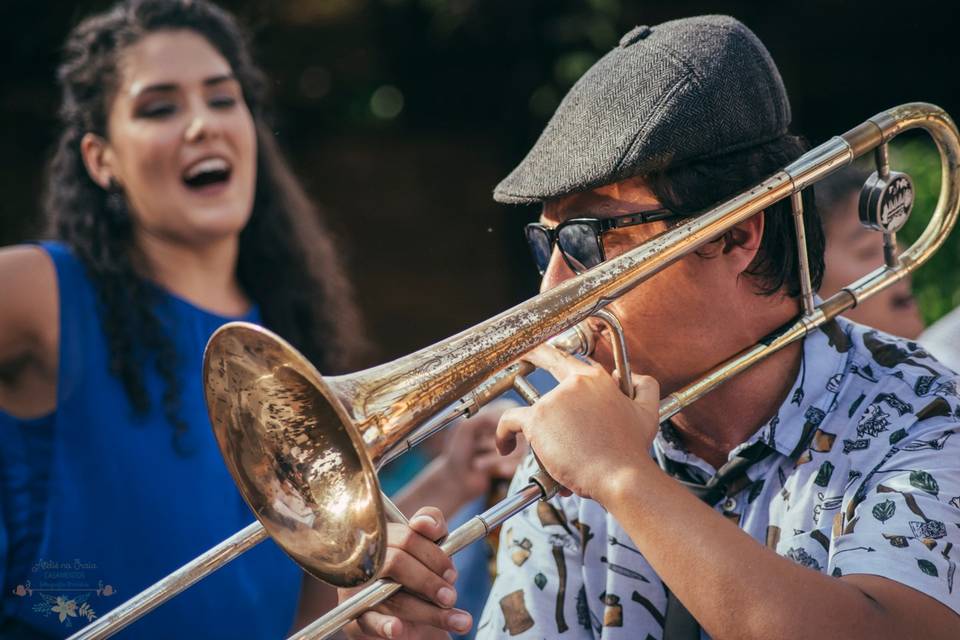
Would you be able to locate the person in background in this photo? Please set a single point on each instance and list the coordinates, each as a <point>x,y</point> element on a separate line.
<point>853,251</point>
<point>171,211</point>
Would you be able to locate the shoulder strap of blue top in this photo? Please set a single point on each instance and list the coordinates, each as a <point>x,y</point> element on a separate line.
<point>79,318</point>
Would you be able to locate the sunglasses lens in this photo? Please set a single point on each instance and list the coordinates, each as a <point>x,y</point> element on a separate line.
<point>539,240</point>
<point>581,245</point>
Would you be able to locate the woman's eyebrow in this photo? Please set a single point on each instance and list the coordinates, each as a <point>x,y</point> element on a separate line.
<point>159,87</point>
<point>166,87</point>
<point>223,77</point>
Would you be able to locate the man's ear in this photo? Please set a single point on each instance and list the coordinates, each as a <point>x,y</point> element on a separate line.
<point>742,242</point>
<point>98,159</point>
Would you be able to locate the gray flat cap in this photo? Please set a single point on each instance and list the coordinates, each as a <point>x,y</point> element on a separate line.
<point>669,94</point>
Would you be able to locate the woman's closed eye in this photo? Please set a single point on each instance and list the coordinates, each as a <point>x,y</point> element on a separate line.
<point>223,102</point>
<point>165,108</point>
<point>157,110</point>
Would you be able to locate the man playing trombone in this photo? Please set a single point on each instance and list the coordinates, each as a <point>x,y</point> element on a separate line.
<point>816,494</point>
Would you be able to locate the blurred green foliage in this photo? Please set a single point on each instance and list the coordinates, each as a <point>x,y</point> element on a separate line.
<point>936,284</point>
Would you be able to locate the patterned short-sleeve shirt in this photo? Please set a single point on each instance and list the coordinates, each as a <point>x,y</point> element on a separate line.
<point>864,478</point>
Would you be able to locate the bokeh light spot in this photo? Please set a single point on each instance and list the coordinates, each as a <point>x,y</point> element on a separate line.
<point>386,102</point>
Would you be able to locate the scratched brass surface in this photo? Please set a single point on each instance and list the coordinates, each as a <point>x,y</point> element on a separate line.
<point>294,455</point>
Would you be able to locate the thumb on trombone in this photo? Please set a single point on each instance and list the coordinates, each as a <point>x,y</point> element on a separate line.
<point>425,607</point>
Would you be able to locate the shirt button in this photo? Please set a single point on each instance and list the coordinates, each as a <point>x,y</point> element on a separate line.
<point>729,504</point>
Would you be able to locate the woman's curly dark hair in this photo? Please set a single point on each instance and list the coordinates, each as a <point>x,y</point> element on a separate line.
<point>287,263</point>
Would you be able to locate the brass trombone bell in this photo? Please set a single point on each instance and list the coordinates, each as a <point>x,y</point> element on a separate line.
<point>287,441</point>
<point>303,462</point>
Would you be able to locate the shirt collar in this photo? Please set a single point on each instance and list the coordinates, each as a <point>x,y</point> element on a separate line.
<point>813,395</point>
<point>814,392</point>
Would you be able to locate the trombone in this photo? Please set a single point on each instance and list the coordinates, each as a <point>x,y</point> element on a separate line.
<point>577,340</point>
<point>303,448</point>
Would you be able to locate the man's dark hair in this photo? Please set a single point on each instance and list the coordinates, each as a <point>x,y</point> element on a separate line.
<point>696,186</point>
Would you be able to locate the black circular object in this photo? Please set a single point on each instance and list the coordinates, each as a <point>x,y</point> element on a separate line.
<point>886,202</point>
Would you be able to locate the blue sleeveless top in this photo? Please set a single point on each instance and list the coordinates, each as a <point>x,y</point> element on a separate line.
<point>96,504</point>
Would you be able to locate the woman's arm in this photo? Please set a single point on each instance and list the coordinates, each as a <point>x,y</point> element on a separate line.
<point>29,332</point>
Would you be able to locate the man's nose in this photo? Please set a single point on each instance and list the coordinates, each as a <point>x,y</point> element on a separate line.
<point>557,271</point>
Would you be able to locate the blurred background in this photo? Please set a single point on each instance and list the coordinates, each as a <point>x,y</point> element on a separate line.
<point>401,115</point>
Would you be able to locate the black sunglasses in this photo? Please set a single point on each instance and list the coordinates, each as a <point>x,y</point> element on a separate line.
<point>579,238</point>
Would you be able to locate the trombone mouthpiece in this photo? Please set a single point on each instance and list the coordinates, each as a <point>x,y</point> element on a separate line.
<point>578,340</point>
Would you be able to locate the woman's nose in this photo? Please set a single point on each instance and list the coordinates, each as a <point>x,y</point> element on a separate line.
<point>196,130</point>
<point>204,124</point>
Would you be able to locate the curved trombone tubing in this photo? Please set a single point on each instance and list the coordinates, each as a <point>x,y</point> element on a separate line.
<point>610,280</point>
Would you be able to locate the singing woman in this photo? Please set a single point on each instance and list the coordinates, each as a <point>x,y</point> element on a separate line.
<point>170,211</point>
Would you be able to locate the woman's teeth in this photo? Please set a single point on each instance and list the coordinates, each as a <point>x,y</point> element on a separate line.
<point>207,172</point>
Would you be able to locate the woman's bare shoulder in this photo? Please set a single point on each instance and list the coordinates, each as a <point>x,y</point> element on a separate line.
<point>29,310</point>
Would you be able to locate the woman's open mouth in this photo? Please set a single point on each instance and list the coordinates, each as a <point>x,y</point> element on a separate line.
<point>207,176</point>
